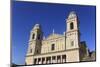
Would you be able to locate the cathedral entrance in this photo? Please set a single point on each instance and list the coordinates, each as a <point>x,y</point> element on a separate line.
<point>63,58</point>
<point>48,60</point>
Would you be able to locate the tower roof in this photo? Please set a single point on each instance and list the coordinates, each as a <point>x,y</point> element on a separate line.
<point>37,26</point>
<point>72,14</point>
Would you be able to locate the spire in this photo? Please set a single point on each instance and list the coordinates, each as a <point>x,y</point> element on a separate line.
<point>53,31</point>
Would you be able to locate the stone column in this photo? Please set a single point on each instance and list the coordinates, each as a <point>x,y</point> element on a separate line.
<point>37,61</point>
<point>51,59</point>
<point>55,59</point>
<point>45,60</point>
<point>61,58</point>
<point>40,60</point>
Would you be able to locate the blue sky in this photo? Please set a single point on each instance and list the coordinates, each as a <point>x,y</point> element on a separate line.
<point>51,16</point>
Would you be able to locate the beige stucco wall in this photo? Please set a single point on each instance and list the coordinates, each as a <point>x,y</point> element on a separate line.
<point>73,36</point>
<point>29,60</point>
<point>59,44</point>
<point>31,46</point>
<point>73,56</point>
<point>71,53</point>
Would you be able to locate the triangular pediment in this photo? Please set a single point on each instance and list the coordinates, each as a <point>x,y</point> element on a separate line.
<point>53,36</point>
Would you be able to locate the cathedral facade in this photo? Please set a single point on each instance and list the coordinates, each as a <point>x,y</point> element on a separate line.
<point>56,48</point>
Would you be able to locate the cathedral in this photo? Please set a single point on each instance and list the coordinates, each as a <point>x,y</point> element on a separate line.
<point>56,48</point>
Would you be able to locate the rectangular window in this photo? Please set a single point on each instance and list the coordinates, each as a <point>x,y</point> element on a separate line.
<point>53,47</point>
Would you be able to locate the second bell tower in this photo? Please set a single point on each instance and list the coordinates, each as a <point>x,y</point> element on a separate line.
<point>36,39</point>
<point>35,43</point>
<point>73,35</point>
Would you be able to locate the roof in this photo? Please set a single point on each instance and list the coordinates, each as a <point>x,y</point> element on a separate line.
<point>72,14</point>
<point>37,26</point>
<point>54,36</point>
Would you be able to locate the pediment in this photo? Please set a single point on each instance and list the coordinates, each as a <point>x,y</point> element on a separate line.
<point>53,36</point>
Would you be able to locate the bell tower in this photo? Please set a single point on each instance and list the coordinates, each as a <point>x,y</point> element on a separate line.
<point>35,43</point>
<point>73,35</point>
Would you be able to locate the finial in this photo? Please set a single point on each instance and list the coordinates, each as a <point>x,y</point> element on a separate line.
<point>64,33</point>
<point>53,31</point>
<point>43,37</point>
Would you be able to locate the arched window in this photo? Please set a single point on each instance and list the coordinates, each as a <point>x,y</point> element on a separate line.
<point>71,26</point>
<point>52,46</point>
<point>33,36</point>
